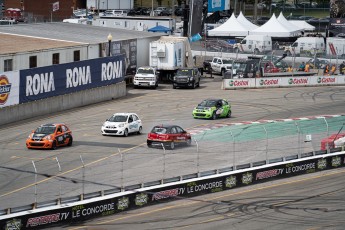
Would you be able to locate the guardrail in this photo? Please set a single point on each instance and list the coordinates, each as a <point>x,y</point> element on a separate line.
<point>107,202</point>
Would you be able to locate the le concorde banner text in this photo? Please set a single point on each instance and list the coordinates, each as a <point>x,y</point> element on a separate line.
<point>44,82</point>
<point>140,198</point>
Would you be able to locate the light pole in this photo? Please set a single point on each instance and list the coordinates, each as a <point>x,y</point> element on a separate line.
<point>109,44</point>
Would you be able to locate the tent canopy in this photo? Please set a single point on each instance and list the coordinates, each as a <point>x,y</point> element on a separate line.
<point>287,24</point>
<point>244,21</point>
<point>274,28</point>
<point>302,24</point>
<point>231,27</point>
<point>161,29</point>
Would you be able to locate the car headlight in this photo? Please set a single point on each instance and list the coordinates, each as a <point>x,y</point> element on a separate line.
<point>103,125</point>
<point>48,137</point>
<point>30,136</point>
<point>174,78</point>
<point>191,78</point>
<point>121,125</point>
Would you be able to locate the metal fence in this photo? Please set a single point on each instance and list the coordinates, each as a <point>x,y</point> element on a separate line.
<point>216,148</point>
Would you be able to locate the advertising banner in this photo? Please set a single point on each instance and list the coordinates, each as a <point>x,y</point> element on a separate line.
<point>324,80</point>
<point>127,48</point>
<point>143,197</point>
<point>295,81</point>
<point>49,81</point>
<point>268,82</point>
<point>239,83</point>
<point>9,88</point>
<point>218,5</point>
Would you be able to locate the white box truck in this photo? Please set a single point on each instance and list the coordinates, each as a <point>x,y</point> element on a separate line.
<point>254,44</point>
<point>335,47</point>
<point>170,53</point>
<point>306,45</point>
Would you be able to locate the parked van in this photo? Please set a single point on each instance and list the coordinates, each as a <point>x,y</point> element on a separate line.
<point>254,44</point>
<point>115,13</point>
<point>306,45</point>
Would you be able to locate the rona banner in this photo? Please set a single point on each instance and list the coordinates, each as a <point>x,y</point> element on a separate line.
<point>44,82</point>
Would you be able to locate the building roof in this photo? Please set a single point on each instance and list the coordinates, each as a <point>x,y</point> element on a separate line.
<point>55,35</point>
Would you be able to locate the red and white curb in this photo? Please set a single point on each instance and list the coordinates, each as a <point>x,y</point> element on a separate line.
<point>202,128</point>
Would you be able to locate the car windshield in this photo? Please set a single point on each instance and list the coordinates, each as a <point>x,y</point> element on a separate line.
<point>118,118</point>
<point>184,72</point>
<point>159,130</point>
<point>208,103</point>
<point>239,66</point>
<point>45,129</point>
<point>145,71</point>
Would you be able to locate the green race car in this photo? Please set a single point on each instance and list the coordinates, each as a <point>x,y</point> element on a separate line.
<point>212,109</point>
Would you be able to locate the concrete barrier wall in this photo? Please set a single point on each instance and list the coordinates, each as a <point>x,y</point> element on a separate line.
<point>15,113</point>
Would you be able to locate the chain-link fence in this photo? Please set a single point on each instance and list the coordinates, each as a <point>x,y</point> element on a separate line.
<point>215,148</point>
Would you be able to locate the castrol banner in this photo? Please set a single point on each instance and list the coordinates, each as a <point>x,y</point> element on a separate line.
<point>295,81</point>
<point>270,82</point>
<point>9,88</point>
<point>239,83</point>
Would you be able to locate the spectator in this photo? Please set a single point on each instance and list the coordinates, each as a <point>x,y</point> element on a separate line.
<point>301,67</point>
<point>333,69</point>
<point>342,68</point>
<point>307,67</point>
<point>326,70</point>
<point>290,69</point>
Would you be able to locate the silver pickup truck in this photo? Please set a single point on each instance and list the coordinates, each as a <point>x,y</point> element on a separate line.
<point>221,65</point>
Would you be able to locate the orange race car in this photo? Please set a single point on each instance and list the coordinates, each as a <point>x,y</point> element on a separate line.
<point>49,136</point>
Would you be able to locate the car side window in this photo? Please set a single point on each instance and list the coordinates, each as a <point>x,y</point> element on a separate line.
<point>59,129</point>
<point>134,117</point>
<point>225,103</point>
<point>173,130</point>
<point>179,130</point>
<point>64,128</point>
<point>219,103</point>
<point>130,119</point>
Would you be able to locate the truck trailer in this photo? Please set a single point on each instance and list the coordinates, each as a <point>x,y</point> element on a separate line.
<point>170,53</point>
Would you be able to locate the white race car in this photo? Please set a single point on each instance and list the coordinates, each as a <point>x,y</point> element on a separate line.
<point>122,124</point>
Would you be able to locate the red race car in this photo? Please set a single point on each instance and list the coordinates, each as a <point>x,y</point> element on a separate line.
<point>169,136</point>
<point>49,136</point>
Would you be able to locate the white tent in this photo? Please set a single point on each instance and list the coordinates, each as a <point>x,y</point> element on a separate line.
<point>302,24</point>
<point>230,28</point>
<point>287,24</point>
<point>241,19</point>
<point>274,28</point>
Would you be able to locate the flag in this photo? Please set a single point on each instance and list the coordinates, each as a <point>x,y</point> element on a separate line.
<point>56,6</point>
<point>195,38</point>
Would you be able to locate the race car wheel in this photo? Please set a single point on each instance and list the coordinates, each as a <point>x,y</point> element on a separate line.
<point>140,130</point>
<point>189,142</point>
<point>125,133</point>
<point>229,114</point>
<point>54,145</point>
<point>214,116</point>
<point>172,145</point>
<point>149,144</point>
<point>70,141</point>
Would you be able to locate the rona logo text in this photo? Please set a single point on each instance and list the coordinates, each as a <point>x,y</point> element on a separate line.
<point>111,70</point>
